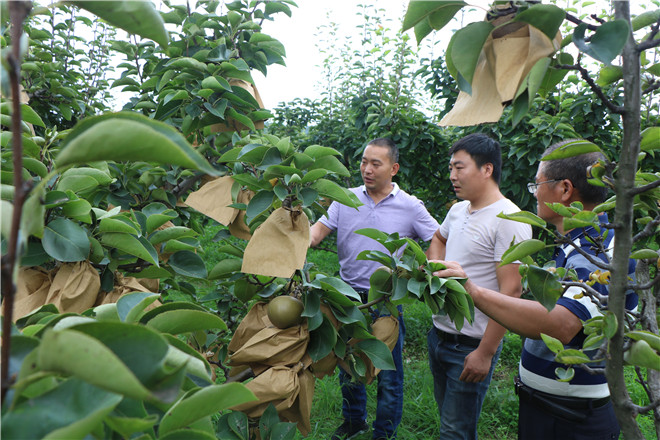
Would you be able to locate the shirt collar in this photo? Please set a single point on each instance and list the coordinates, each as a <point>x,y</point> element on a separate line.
<point>395,190</point>
<point>575,234</point>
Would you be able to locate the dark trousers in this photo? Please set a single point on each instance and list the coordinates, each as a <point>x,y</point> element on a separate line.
<point>538,423</point>
<point>389,405</point>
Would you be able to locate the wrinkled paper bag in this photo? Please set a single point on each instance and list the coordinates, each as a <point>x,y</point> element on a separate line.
<point>279,245</point>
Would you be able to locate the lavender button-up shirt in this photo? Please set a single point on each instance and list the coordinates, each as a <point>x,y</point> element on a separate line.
<point>398,212</point>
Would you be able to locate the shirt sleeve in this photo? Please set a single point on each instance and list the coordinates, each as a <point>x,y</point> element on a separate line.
<point>509,232</point>
<point>425,225</point>
<point>332,218</point>
<point>445,226</point>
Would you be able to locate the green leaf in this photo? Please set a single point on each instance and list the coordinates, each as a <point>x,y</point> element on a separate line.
<point>582,219</point>
<point>340,286</point>
<point>64,240</point>
<point>554,76</point>
<point>650,139</point>
<point>203,402</point>
<point>608,75</point>
<point>322,340</point>
<point>131,305</point>
<point>318,151</point>
<point>188,263</point>
<point>118,224</point>
<point>377,351</point>
<point>437,13</point>
<point>545,286</point>
<point>96,364</point>
<point>81,407</point>
<point>606,43</point>
<point>572,149</point>
<point>610,325</point>
<point>553,344</point>
<point>182,321</point>
<point>521,250</point>
<point>572,357</point>
<point>642,254</point>
<point>466,45</point>
<point>564,375</point>
<point>376,234</point>
<point>641,354</point>
<point>328,188</point>
<point>645,19</point>
<point>34,212</point>
<point>546,18</point>
<point>524,217</point>
<point>141,18</point>
<point>260,203</point>
<point>78,210</point>
<point>127,136</point>
<point>225,268</point>
<point>331,164</point>
<point>171,233</point>
<point>131,245</point>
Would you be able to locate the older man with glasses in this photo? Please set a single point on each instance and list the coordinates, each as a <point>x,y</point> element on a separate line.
<point>549,409</point>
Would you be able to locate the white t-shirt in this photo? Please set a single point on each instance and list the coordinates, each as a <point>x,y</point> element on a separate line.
<point>477,240</point>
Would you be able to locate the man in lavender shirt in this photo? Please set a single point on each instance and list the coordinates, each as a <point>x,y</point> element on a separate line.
<point>390,209</point>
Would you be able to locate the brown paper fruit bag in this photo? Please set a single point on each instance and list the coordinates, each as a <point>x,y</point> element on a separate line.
<point>255,319</point>
<point>32,286</point>
<point>301,410</point>
<point>273,346</point>
<point>124,285</point>
<point>75,287</point>
<point>506,59</point>
<point>279,246</point>
<point>213,199</point>
<point>278,385</point>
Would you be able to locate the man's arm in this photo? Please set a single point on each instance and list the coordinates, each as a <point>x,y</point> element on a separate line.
<point>317,233</point>
<point>438,247</point>
<point>477,364</point>
<point>524,317</point>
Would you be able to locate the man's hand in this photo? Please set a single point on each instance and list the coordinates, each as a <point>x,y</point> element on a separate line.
<point>453,270</point>
<point>476,366</point>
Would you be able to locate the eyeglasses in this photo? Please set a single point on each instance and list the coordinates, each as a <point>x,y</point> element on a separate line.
<point>533,187</point>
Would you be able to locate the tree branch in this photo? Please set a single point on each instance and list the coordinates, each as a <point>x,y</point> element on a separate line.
<point>563,239</point>
<point>654,85</point>
<point>593,293</point>
<point>651,406</point>
<point>649,229</point>
<point>645,286</point>
<point>644,188</point>
<point>594,87</point>
<point>574,19</point>
<point>18,11</point>
<point>651,41</point>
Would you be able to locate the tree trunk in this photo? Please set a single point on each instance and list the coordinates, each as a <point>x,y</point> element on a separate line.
<point>623,219</point>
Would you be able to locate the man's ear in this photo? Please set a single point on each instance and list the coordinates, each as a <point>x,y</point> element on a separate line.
<point>395,169</point>
<point>568,192</point>
<point>488,169</point>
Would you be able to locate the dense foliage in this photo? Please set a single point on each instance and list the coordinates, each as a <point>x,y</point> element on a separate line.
<point>105,197</point>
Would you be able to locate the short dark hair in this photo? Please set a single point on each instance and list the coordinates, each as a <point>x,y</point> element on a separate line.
<point>483,150</point>
<point>390,145</point>
<point>575,169</point>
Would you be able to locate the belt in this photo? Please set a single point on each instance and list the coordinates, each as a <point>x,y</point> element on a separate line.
<point>566,407</point>
<point>456,338</point>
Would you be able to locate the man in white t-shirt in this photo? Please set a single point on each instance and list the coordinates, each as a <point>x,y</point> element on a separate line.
<point>462,361</point>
